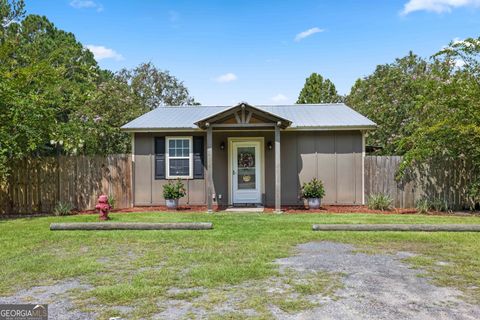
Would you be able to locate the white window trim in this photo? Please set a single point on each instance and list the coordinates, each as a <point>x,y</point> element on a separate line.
<point>167,157</point>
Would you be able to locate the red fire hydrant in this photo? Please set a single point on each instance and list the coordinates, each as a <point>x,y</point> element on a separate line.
<point>103,206</point>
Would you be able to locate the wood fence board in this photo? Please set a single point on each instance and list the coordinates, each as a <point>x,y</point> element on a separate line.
<point>37,185</point>
<point>444,180</point>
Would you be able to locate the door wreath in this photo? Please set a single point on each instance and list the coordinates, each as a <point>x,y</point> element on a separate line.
<point>246,160</point>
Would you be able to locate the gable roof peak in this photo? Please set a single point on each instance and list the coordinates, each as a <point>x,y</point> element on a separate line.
<point>281,121</point>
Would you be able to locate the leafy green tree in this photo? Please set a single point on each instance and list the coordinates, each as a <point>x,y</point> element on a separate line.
<point>448,114</point>
<point>464,56</point>
<point>54,99</point>
<point>428,111</point>
<point>389,97</point>
<point>156,87</point>
<point>11,11</point>
<point>45,75</point>
<point>318,90</point>
<point>112,105</point>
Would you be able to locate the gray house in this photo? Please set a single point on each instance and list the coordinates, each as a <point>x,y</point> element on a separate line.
<point>248,154</point>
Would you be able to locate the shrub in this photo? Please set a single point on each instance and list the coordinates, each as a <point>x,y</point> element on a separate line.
<point>174,190</point>
<point>422,206</point>
<point>313,189</point>
<point>63,209</point>
<point>438,204</point>
<point>111,201</point>
<point>379,201</point>
<point>473,194</point>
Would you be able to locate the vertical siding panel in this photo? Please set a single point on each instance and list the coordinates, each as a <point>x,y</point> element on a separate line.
<point>345,168</point>
<point>307,160</point>
<point>325,151</point>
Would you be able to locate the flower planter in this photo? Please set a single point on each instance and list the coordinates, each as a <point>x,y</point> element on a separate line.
<point>314,203</point>
<point>171,203</point>
<point>313,191</point>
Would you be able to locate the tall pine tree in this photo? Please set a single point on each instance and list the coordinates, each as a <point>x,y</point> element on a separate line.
<point>318,90</point>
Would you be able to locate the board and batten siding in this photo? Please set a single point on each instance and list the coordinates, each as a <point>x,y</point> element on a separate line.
<point>335,157</point>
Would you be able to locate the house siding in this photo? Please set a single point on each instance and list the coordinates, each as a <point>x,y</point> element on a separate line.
<point>335,157</point>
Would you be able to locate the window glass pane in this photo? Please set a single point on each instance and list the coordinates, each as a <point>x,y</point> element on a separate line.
<point>246,178</point>
<point>179,167</point>
<point>171,143</point>
<point>246,157</point>
<point>246,168</point>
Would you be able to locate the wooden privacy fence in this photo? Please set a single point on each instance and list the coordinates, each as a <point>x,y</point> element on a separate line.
<point>36,185</point>
<point>444,180</point>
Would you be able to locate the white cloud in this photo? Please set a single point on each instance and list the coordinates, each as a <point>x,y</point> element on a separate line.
<point>307,33</point>
<point>101,52</point>
<point>86,4</point>
<point>227,77</point>
<point>437,6</point>
<point>279,98</point>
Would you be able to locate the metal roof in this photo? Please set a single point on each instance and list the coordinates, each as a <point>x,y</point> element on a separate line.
<point>313,116</point>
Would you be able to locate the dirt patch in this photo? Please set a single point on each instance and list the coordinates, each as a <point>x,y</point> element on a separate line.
<point>377,286</point>
<point>287,293</point>
<point>60,305</point>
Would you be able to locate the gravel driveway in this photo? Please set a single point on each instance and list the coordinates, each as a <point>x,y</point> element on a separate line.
<point>378,286</point>
<point>375,286</point>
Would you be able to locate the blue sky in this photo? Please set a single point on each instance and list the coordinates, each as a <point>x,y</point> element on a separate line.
<point>261,51</point>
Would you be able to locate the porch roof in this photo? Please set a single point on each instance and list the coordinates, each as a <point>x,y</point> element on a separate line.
<point>244,107</point>
<point>302,116</point>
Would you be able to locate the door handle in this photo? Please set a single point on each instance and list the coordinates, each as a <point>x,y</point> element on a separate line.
<point>233,171</point>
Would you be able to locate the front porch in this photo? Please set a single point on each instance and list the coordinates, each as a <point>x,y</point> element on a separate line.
<point>246,159</point>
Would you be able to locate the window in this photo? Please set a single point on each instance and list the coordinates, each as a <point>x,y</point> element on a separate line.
<point>179,157</point>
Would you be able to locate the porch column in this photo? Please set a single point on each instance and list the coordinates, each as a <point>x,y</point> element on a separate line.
<point>132,174</point>
<point>278,181</point>
<point>209,169</point>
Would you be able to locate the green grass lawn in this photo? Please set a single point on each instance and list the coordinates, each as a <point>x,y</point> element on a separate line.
<point>138,267</point>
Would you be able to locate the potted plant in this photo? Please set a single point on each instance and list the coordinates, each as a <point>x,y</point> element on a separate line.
<point>172,191</point>
<point>313,191</point>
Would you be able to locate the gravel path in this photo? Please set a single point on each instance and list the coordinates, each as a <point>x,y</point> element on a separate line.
<point>378,286</point>
<point>57,296</point>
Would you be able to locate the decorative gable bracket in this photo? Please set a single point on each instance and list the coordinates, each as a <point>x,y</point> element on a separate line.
<point>243,115</point>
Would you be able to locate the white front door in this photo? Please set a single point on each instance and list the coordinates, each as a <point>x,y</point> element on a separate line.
<point>246,172</point>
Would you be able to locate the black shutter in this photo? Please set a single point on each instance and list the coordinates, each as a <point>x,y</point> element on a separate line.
<point>198,166</point>
<point>160,158</point>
